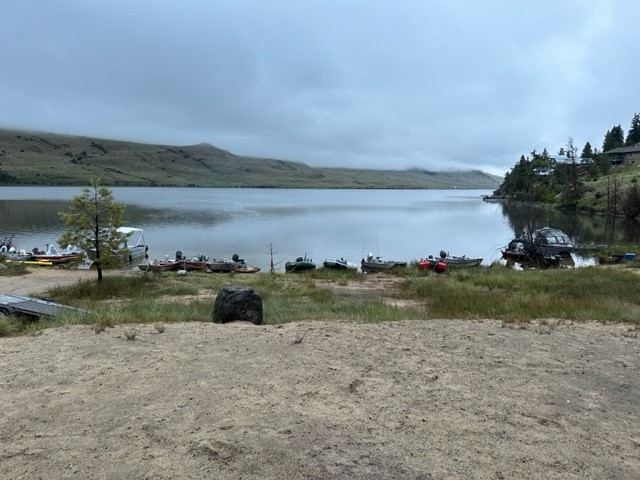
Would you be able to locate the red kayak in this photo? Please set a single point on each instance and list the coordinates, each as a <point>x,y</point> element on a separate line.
<point>437,266</point>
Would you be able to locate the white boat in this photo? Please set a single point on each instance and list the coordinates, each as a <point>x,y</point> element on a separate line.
<point>223,265</point>
<point>131,252</point>
<point>50,256</point>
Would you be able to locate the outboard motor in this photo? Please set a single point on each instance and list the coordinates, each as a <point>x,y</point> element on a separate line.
<point>179,255</point>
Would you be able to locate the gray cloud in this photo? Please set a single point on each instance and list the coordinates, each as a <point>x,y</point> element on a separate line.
<point>411,83</point>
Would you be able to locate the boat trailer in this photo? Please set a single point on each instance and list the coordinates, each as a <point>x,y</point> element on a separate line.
<point>11,304</point>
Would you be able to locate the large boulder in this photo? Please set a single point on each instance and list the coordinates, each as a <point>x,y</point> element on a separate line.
<point>237,303</point>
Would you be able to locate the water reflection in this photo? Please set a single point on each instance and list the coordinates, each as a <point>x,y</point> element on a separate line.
<point>403,225</point>
<point>584,229</point>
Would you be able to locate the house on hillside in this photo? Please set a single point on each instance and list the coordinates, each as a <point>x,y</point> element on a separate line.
<point>559,158</point>
<point>543,171</point>
<point>624,155</point>
<point>562,158</point>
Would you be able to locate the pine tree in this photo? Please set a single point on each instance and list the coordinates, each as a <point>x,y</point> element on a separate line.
<point>587,151</point>
<point>92,222</point>
<point>633,135</point>
<point>614,138</point>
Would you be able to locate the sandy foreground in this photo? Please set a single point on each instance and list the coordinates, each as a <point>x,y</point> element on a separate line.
<point>319,400</point>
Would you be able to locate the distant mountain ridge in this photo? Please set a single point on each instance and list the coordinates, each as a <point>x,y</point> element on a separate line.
<point>39,158</point>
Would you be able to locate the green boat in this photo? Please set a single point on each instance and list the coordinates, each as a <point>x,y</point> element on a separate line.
<point>301,264</point>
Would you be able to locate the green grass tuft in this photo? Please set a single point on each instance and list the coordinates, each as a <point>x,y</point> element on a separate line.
<point>12,269</point>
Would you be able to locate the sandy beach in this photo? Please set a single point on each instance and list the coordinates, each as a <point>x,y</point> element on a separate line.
<point>315,400</point>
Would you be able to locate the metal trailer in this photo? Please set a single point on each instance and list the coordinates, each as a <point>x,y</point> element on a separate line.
<point>11,304</point>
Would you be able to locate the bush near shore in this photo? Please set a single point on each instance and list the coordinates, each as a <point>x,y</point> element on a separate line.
<point>605,294</point>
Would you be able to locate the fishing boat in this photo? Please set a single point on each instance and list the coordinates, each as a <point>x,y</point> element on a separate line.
<point>241,265</point>
<point>130,252</point>
<point>58,256</point>
<point>463,261</point>
<point>545,247</point>
<point>552,241</point>
<point>159,266</point>
<point>21,255</point>
<point>522,252</point>
<point>301,264</point>
<point>339,264</point>
<point>50,257</point>
<point>375,264</point>
<point>198,262</point>
<point>194,265</point>
<point>224,265</point>
<point>247,269</point>
<point>544,241</point>
<point>134,248</point>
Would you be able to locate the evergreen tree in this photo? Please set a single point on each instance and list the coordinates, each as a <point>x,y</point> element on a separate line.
<point>92,222</point>
<point>618,135</point>
<point>587,151</point>
<point>633,135</point>
<point>614,138</point>
<point>544,154</point>
<point>518,181</point>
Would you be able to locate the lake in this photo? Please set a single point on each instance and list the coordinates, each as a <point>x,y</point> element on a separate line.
<point>395,224</point>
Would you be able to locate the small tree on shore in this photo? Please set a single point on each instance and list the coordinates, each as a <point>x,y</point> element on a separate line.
<point>271,251</point>
<point>92,222</point>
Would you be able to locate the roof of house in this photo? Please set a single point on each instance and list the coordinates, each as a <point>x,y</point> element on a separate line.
<point>633,149</point>
<point>565,159</point>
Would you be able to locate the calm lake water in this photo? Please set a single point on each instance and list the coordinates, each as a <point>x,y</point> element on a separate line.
<point>395,224</point>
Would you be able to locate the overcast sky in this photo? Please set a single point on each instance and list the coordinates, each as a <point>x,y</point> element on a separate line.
<point>434,84</point>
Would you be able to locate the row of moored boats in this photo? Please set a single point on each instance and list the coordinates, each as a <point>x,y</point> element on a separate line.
<point>372,264</point>
<point>199,263</point>
<point>545,247</point>
<point>133,250</point>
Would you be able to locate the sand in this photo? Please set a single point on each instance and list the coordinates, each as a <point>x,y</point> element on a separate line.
<point>315,400</point>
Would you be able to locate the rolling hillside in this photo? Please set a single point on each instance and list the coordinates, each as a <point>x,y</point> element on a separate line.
<point>37,158</point>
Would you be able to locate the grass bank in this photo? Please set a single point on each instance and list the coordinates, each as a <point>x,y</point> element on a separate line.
<point>606,294</point>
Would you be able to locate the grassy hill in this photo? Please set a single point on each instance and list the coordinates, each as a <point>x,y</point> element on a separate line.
<point>608,193</point>
<point>36,158</point>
